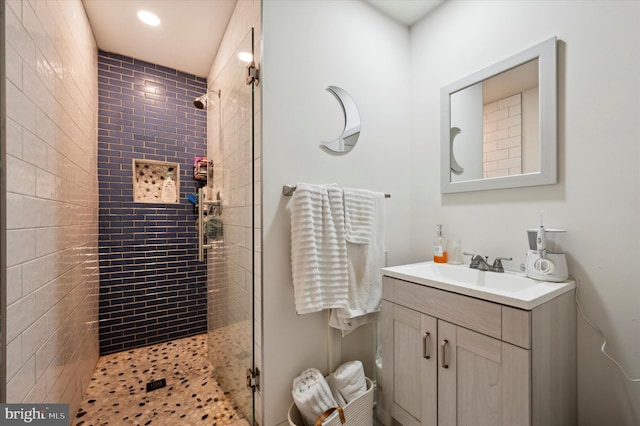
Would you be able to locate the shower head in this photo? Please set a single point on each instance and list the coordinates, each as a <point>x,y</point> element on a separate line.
<point>201,102</point>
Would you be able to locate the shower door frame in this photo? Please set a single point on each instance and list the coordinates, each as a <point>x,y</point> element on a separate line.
<point>3,207</point>
<point>222,97</point>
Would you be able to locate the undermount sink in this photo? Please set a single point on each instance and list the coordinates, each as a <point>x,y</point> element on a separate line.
<point>508,288</point>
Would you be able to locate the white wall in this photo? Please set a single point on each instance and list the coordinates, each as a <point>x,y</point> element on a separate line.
<point>597,198</point>
<point>309,45</point>
<point>52,201</point>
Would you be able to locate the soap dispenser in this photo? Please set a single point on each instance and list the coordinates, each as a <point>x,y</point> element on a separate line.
<point>439,246</point>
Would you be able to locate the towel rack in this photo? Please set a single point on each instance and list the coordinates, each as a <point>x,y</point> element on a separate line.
<point>288,190</point>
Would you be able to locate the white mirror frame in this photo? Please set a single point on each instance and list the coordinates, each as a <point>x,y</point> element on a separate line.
<point>545,52</point>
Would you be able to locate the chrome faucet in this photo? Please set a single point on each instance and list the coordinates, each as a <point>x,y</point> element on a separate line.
<point>480,263</point>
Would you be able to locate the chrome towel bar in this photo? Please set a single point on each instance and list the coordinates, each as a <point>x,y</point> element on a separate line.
<point>288,190</point>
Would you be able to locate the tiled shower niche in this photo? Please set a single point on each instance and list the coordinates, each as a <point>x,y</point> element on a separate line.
<point>149,177</point>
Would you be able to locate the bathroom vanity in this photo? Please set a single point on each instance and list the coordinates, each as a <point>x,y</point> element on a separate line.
<point>469,347</point>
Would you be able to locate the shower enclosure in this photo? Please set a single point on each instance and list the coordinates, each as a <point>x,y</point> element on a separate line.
<point>232,252</point>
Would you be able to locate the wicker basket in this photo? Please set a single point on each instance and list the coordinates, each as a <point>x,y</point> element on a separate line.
<point>358,412</point>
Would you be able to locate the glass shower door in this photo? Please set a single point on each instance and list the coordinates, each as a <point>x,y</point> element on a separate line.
<point>231,257</point>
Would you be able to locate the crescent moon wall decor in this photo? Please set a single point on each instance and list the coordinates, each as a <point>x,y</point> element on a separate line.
<point>351,132</point>
<point>455,167</point>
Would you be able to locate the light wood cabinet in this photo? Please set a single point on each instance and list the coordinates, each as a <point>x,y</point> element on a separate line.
<point>414,382</point>
<point>450,359</point>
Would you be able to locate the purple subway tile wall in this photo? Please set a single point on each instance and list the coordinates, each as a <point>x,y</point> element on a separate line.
<point>152,288</point>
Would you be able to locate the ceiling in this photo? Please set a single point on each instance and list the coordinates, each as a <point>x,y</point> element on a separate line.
<point>186,40</point>
<point>406,12</point>
<point>191,30</point>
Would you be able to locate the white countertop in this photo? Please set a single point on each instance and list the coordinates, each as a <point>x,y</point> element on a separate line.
<point>508,288</point>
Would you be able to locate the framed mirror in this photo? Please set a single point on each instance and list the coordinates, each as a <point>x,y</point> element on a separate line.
<point>498,126</point>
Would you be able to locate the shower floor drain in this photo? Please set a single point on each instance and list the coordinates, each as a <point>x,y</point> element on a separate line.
<point>156,384</point>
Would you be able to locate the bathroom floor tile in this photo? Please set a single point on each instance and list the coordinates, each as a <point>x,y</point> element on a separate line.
<point>117,394</point>
<point>231,359</point>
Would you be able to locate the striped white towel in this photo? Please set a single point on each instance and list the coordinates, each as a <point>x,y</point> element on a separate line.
<point>318,248</point>
<point>312,394</point>
<point>365,279</point>
<point>348,381</point>
<point>358,215</point>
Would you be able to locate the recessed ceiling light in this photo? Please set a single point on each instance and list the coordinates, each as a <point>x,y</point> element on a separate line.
<point>245,57</point>
<point>148,18</point>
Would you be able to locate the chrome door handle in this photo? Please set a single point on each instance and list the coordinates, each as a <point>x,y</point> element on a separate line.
<point>443,348</point>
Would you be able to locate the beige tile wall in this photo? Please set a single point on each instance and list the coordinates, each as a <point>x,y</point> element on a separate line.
<point>52,201</point>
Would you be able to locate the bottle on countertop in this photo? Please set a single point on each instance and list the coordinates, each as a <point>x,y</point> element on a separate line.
<point>454,252</point>
<point>440,247</point>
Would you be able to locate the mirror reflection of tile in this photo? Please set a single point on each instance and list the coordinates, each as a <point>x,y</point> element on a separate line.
<point>502,137</point>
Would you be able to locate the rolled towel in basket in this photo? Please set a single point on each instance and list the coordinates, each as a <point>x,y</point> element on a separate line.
<point>348,381</point>
<point>312,395</point>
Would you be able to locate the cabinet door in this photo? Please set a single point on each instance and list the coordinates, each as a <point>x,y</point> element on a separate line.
<point>481,380</point>
<point>409,389</point>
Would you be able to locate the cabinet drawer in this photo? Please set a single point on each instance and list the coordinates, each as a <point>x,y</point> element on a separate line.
<point>479,315</point>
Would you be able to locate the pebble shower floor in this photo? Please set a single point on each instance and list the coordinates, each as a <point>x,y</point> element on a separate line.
<point>117,394</point>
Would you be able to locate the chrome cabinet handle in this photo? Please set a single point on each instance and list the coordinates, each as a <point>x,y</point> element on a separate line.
<point>425,338</point>
<point>443,347</point>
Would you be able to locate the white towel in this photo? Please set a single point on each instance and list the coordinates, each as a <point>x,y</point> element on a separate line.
<point>335,391</point>
<point>348,381</point>
<point>312,395</point>
<point>358,215</point>
<point>318,248</point>
<point>365,278</point>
